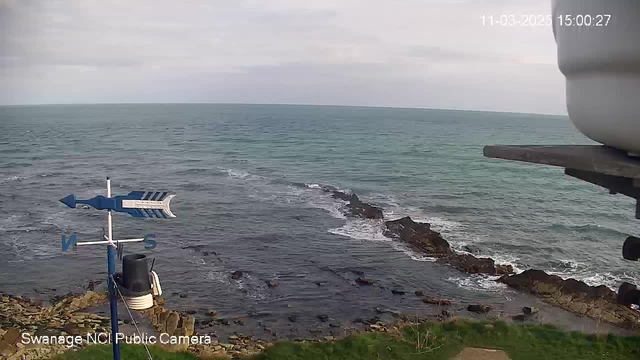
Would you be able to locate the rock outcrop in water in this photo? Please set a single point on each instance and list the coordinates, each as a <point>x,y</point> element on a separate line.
<point>418,236</point>
<point>597,302</point>
<point>356,206</point>
<point>474,265</point>
<point>421,238</point>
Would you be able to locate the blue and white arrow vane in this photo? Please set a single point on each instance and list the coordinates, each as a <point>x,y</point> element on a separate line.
<point>136,203</point>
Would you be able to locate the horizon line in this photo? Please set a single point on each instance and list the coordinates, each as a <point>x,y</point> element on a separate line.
<point>283,104</point>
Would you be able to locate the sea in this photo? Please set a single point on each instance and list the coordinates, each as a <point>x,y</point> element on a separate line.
<point>247,180</point>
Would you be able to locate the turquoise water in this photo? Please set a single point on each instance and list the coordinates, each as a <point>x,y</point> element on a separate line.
<point>238,169</point>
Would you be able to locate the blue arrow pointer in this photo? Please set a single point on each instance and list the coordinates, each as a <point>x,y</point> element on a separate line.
<point>136,203</point>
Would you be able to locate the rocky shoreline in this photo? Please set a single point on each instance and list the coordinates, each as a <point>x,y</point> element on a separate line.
<point>71,315</point>
<point>596,302</point>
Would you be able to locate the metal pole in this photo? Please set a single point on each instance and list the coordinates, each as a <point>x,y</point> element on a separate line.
<point>112,293</point>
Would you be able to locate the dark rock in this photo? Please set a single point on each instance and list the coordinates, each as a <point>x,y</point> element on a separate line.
<point>293,318</point>
<point>319,283</point>
<point>446,314</point>
<point>272,283</point>
<point>334,325</point>
<point>211,313</point>
<point>471,264</point>
<point>357,207</point>
<point>259,314</point>
<point>435,300</point>
<point>361,281</point>
<point>419,293</point>
<point>373,320</point>
<point>315,331</point>
<point>92,284</point>
<point>236,275</point>
<point>239,322</point>
<point>479,309</point>
<point>529,310</point>
<point>358,321</point>
<point>184,295</point>
<point>520,318</point>
<point>224,321</point>
<point>419,236</point>
<point>322,318</point>
<point>191,312</point>
<point>397,292</point>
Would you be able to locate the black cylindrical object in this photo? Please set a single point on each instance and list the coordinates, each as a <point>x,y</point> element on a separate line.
<point>135,275</point>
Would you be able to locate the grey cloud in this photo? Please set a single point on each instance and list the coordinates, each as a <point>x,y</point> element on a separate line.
<point>360,52</point>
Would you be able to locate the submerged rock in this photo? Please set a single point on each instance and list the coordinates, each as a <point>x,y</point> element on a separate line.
<point>236,275</point>
<point>479,309</point>
<point>435,300</point>
<point>361,281</point>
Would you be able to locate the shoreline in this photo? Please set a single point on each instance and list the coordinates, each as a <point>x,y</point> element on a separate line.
<point>577,297</point>
<point>75,316</point>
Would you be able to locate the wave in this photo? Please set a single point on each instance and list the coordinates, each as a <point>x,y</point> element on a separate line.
<point>568,268</point>
<point>588,229</point>
<point>242,175</point>
<point>14,178</point>
<point>195,171</point>
<point>255,290</point>
<point>373,230</point>
<point>362,229</point>
<point>479,283</point>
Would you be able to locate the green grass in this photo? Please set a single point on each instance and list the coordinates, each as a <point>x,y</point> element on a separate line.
<point>438,341</point>
<point>127,352</point>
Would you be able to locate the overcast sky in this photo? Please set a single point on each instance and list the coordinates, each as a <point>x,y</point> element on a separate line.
<point>412,53</point>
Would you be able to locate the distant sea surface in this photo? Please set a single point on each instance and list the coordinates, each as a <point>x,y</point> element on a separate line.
<point>247,181</point>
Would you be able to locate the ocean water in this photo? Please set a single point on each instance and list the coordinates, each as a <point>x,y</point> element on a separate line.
<point>247,181</point>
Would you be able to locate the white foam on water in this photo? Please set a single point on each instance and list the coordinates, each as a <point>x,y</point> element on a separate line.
<point>335,207</point>
<point>479,283</point>
<point>14,178</point>
<point>362,229</point>
<point>412,254</point>
<point>506,259</point>
<point>198,261</point>
<point>313,186</point>
<point>218,276</point>
<point>242,175</point>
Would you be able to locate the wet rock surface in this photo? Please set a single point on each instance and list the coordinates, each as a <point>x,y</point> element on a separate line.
<point>597,302</point>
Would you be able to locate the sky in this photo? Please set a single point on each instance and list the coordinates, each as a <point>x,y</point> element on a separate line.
<point>400,53</point>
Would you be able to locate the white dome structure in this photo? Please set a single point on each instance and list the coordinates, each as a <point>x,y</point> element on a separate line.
<point>599,54</point>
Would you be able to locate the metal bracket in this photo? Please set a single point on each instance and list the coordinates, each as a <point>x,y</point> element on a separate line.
<point>615,184</point>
